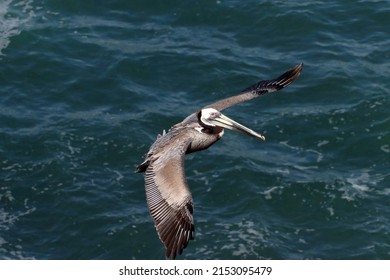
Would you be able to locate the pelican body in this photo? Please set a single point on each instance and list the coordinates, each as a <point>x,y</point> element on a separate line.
<point>168,196</point>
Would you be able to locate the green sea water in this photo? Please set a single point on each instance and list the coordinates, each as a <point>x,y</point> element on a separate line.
<point>86,86</point>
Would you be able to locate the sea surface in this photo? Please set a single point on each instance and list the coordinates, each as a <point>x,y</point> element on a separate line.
<point>86,86</point>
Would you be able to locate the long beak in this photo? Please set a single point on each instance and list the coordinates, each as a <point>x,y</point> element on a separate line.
<point>225,122</point>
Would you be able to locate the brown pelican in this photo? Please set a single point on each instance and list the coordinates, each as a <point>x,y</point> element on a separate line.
<point>167,193</point>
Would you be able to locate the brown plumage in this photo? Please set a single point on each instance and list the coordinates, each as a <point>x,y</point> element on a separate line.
<point>167,193</point>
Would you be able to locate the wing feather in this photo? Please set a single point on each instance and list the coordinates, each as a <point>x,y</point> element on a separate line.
<point>169,198</point>
<point>259,88</point>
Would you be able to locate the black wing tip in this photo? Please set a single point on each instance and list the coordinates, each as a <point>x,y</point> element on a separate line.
<point>299,66</point>
<point>279,83</point>
<point>296,70</point>
<point>289,76</point>
<point>171,252</point>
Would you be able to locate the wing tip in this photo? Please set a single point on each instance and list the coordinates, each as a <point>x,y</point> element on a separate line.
<point>290,75</point>
<point>297,69</point>
<point>267,86</point>
<point>176,249</point>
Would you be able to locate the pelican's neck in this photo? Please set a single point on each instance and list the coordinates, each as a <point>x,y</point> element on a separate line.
<point>215,130</point>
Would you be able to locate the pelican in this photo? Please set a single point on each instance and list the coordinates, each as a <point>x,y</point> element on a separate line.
<point>168,196</point>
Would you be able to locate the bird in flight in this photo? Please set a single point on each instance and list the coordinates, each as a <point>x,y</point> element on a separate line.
<point>168,196</point>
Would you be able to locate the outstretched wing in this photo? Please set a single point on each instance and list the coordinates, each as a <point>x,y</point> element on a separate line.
<point>259,88</point>
<point>168,196</point>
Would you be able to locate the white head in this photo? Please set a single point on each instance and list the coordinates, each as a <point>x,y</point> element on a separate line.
<point>207,115</point>
<point>211,118</point>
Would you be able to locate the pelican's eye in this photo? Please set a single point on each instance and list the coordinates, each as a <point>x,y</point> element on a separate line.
<point>214,115</point>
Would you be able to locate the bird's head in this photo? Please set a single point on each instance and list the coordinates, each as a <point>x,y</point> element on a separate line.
<point>211,118</point>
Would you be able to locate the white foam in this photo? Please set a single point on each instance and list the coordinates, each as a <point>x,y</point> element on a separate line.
<point>361,185</point>
<point>385,148</point>
<point>10,24</point>
<point>275,189</point>
<point>322,143</point>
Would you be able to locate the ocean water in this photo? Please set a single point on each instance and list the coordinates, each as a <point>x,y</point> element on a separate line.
<point>85,87</point>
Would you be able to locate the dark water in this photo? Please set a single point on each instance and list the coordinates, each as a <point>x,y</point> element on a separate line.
<point>85,87</point>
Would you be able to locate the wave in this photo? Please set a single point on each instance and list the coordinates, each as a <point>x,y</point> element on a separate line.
<point>13,16</point>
